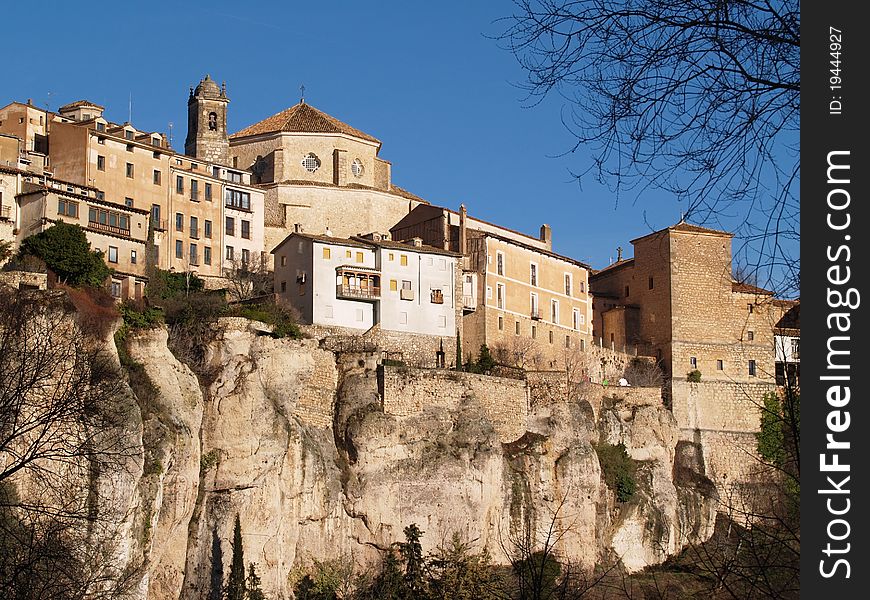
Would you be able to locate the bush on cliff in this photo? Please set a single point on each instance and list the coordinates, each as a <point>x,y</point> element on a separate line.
<point>618,469</point>
<point>66,250</point>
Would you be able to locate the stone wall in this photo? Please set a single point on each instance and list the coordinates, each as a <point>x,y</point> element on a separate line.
<point>407,391</point>
<point>718,405</point>
<point>17,279</point>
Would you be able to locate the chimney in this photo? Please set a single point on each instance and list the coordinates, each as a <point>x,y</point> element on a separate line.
<point>463,239</point>
<point>547,236</point>
<point>417,242</point>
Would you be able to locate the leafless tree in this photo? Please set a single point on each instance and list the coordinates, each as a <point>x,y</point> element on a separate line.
<point>520,352</point>
<point>250,278</point>
<point>62,429</point>
<point>699,98</point>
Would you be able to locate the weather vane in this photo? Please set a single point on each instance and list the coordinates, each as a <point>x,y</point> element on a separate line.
<point>302,93</point>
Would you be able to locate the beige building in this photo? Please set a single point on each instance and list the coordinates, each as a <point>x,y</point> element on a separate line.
<point>529,305</point>
<point>319,174</point>
<point>119,231</point>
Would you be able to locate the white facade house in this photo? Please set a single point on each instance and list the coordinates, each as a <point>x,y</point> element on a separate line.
<point>360,282</point>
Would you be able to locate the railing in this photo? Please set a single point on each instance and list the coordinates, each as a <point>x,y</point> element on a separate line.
<point>5,212</point>
<point>535,314</point>
<point>437,297</point>
<point>468,303</point>
<point>108,228</point>
<point>406,294</point>
<point>367,293</point>
<point>158,224</point>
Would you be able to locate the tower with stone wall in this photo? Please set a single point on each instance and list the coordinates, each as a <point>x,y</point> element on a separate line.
<point>207,122</point>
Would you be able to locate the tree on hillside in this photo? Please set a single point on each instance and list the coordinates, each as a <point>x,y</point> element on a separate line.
<point>66,250</point>
<point>236,584</point>
<point>699,98</point>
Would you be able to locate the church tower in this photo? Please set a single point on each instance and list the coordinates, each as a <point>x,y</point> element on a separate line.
<point>207,122</point>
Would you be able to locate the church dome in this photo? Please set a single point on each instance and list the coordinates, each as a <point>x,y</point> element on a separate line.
<point>208,87</point>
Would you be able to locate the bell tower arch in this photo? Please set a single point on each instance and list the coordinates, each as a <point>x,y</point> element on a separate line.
<point>207,122</point>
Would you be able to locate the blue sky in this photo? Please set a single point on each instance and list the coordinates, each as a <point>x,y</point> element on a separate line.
<point>424,78</point>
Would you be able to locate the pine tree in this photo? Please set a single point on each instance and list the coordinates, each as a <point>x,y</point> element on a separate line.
<point>236,585</point>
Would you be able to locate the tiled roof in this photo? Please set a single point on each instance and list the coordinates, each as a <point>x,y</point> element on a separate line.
<point>686,228</point>
<point>745,288</point>
<point>616,265</point>
<point>394,189</point>
<point>324,238</point>
<point>302,118</point>
<point>407,247</point>
<point>78,103</point>
<point>549,253</point>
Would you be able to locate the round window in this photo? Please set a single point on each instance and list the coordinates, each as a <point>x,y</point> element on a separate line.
<point>357,168</point>
<point>311,162</point>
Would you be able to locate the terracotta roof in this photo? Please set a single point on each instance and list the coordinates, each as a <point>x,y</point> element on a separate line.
<point>686,228</point>
<point>78,103</point>
<point>535,249</point>
<point>745,288</point>
<point>405,246</point>
<point>616,265</point>
<point>791,319</point>
<point>302,118</point>
<point>323,238</point>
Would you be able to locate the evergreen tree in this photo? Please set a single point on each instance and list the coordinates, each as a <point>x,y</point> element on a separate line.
<point>236,585</point>
<point>65,249</point>
<point>458,352</point>
<point>485,361</point>
<point>253,584</point>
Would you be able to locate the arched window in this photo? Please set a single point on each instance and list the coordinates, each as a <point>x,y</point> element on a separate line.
<point>212,121</point>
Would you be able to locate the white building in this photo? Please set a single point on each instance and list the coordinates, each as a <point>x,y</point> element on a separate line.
<point>364,281</point>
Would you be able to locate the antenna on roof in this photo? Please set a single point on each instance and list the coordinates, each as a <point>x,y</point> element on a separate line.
<point>302,94</point>
<point>170,134</point>
<point>130,119</point>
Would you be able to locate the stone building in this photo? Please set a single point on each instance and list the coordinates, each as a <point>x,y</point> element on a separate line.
<point>676,300</point>
<point>787,342</point>
<point>312,167</point>
<point>528,304</point>
<point>207,123</point>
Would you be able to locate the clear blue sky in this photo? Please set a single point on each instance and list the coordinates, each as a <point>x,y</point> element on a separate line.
<point>424,78</point>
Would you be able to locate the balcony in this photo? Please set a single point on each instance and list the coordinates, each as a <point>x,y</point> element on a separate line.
<point>158,224</point>
<point>5,212</point>
<point>96,226</point>
<point>535,314</point>
<point>406,294</point>
<point>357,293</point>
<point>357,283</point>
<point>468,304</point>
<point>437,297</point>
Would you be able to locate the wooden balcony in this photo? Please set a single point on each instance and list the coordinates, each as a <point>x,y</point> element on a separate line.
<point>357,293</point>
<point>96,226</point>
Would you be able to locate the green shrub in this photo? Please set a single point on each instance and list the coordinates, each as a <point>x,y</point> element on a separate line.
<point>67,251</point>
<point>618,469</point>
<point>165,284</point>
<point>282,319</point>
<point>694,376</point>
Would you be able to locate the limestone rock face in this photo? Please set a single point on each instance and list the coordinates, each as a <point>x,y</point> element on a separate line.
<point>294,440</point>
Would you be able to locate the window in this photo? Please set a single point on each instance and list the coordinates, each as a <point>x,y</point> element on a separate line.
<point>230,226</point>
<point>693,361</point>
<point>194,227</point>
<point>499,295</point>
<point>751,308</point>
<point>157,177</point>
<point>246,256</point>
<point>101,141</point>
<point>246,230</point>
<point>155,215</point>
<point>752,368</point>
<point>550,336</point>
<point>128,134</point>
<point>406,285</point>
<point>403,260</point>
<point>283,261</point>
<point>501,323</point>
<point>113,254</point>
<point>795,348</point>
<point>194,258</point>
<point>101,127</point>
<point>489,292</point>
<point>237,199</point>
<point>310,162</point>
<point>533,274</point>
<point>101,163</point>
<point>567,284</point>
<point>534,332</point>
<point>67,208</point>
<point>129,147</point>
<point>359,257</point>
<point>212,121</point>
<point>576,318</point>
<point>179,184</point>
<point>394,285</point>
<point>517,328</point>
<point>206,255</point>
<point>554,311</point>
<point>216,172</point>
<point>283,286</point>
<point>356,167</point>
<point>499,263</point>
<point>155,141</point>
<point>720,365</point>
<point>133,257</point>
<point>567,341</point>
<point>626,291</point>
<point>206,229</point>
<point>533,303</point>
<point>130,170</point>
<point>179,249</point>
<point>650,283</point>
<point>327,252</point>
<point>348,253</point>
<point>179,222</point>
<point>116,289</point>
<point>230,253</point>
<point>234,176</point>
<point>194,189</point>
<point>208,192</point>
<point>128,202</point>
<point>391,256</point>
<point>750,335</point>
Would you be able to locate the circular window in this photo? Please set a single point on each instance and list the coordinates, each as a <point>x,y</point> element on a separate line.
<point>357,168</point>
<point>311,162</point>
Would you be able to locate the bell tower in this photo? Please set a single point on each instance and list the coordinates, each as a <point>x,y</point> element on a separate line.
<point>207,122</point>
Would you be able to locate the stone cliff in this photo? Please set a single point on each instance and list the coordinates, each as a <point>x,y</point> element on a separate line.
<point>295,439</point>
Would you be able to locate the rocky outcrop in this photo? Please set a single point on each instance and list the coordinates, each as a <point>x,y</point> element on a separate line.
<point>294,440</point>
